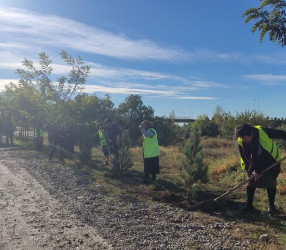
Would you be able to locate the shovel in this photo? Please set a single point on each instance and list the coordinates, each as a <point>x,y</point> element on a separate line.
<point>207,203</point>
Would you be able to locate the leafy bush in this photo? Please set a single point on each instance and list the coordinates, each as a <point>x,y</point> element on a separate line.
<point>206,126</point>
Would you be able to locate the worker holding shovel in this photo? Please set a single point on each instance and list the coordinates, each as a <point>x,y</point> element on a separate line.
<point>258,151</point>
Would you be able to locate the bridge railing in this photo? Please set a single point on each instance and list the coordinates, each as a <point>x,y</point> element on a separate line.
<point>182,119</point>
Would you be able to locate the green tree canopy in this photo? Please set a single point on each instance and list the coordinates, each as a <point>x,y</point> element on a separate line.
<point>205,126</point>
<point>38,98</point>
<point>131,113</point>
<point>269,17</point>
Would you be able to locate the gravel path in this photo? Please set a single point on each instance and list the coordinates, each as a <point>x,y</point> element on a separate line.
<point>44,205</point>
<point>31,218</point>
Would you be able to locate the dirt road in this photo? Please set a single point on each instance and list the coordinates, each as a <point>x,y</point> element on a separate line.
<point>32,219</point>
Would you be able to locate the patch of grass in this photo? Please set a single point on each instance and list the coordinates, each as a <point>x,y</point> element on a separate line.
<point>223,165</point>
<point>281,238</point>
<point>23,143</point>
<point>131,181</point>
<point>214,148</point>
<point>216,142</point>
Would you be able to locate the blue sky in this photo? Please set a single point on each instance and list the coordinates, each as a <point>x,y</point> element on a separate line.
<point>185,56</point>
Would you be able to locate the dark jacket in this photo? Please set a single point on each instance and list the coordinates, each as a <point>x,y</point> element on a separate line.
<point>113,133</point>
<point>255,157</point>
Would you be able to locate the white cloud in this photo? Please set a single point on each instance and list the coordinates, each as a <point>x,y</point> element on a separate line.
<point>126,91</point>
<point>211,56</point>
<point>98,70</point>
<point>207,84</point>
<point>215,56</point>
<point>154,91</point>
<point>196,98</point>
<point>23,32</point>
<point>5,82</point>
<point>108,75</point>
<point>126,88</point>
<point>267,78</point>
<point>30,31</point>
<point>47,30</point>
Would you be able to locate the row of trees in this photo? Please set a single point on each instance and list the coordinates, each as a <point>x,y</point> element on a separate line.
<point>40,100</point>
<point>223,123</point>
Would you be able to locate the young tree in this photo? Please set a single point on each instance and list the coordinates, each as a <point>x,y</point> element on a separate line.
<point>269,17</point>
<point>55,94</point>
<point>122,161</point>
<point>193,168</point>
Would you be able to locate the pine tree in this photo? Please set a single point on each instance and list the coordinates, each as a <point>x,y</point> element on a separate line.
<point>193,168</point>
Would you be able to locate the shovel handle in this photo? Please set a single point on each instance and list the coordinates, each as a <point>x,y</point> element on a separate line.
<point>234,188</point>
<point>250,178</point>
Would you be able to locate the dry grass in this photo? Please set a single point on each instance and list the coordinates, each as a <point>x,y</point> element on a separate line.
<point>211,142</point>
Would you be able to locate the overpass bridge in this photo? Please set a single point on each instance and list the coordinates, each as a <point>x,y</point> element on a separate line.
<point>182,119</point>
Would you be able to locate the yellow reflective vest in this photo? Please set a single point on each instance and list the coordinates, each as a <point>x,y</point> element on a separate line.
<point>267,143</point>
<point>39,132</point>
<point>101,138</point>
<point>151,146</point>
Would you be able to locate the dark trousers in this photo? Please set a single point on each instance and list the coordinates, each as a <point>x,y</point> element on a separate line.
<point>271,192</point>
<point>53,149</point>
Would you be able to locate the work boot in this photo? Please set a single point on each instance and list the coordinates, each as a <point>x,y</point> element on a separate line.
<point>249,194</point>
<point>146,179</point>
<point>247,208</point>
<point>271,198</point>
<point>271,209</point>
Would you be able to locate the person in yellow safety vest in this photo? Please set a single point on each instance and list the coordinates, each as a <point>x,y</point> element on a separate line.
<point>103,142</point>
<point>151,150</point>
<point>258,151</point>
<point>39,132</point>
